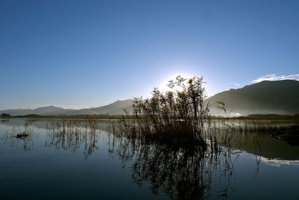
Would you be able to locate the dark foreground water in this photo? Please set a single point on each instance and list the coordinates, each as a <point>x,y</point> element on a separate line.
<point>79,162</point>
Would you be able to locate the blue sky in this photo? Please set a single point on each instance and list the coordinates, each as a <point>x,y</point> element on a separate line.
<point>78,54</point>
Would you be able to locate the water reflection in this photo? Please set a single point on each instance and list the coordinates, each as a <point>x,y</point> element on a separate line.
<point>190,172</point>
<point>261,144</point>
<point>61,134</point>
<point>20,136</point>
<point>185,173</point>
<point>72,135</point>
<point>278,163</point>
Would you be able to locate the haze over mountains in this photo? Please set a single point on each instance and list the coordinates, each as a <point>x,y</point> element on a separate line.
<point>37,111</point>
<point>115,108</point>
<point>267,97</point>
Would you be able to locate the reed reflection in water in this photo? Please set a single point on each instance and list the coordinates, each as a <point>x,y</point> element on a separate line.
<point>61,134</point>
<point>20,136</point>
<point>182,173</point>
<point>72,135</point>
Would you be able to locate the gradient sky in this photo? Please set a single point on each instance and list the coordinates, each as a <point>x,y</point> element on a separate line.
<point>78,54</point>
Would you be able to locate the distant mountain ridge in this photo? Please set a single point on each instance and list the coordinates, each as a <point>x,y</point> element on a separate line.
<point>267,97</point>
<point>37,111</point>
<point>115,108</point>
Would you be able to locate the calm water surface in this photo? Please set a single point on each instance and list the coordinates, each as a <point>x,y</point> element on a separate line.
<point>89,164</point>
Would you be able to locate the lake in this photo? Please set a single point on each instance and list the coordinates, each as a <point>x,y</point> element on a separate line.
<point>81,159</point>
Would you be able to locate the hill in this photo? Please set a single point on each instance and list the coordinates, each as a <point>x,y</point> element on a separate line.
<point>115,108</point>
<point>267,97</point>
<point>37,111</point>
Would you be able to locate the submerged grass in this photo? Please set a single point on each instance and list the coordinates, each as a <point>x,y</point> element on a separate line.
<point>20,136</point>
<point>72,135</point>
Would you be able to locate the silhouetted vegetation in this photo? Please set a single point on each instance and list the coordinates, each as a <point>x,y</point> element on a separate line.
<point>270,116</point>
<point>5,115</point>
<point>72,135</point>
<point>174,118</point>
<point>289,134</point>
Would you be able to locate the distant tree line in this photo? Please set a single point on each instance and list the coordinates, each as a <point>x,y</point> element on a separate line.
<point>270,116</point>
<point>5,115</point>
<point>105,116</point>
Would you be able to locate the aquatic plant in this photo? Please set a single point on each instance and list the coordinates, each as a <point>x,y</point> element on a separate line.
<point>20,136</point>
<point>174,118</point>
<point>72,135</point>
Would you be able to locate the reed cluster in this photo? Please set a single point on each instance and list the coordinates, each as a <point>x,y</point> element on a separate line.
<point>72,135</point>
<point>175,117</point>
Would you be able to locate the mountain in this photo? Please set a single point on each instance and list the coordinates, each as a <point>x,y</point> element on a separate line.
<point>115,108</point>
<point>267,97</point>
<point>37,111</point>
